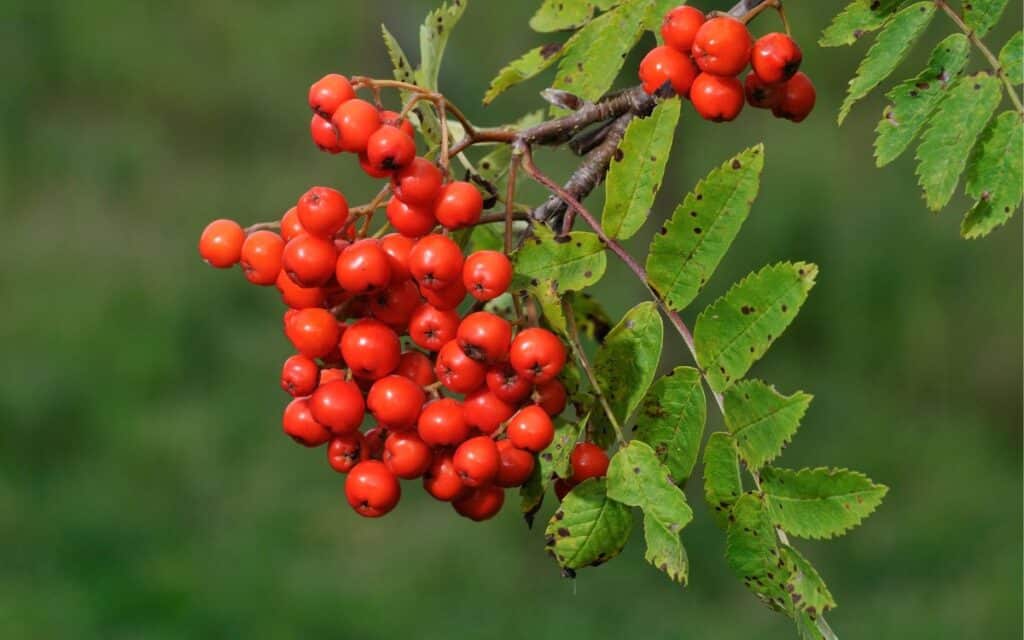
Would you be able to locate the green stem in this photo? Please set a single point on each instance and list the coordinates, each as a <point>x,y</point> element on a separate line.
<point>581,356</point>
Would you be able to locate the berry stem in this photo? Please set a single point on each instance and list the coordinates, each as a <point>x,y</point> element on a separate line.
<point>261,226</point>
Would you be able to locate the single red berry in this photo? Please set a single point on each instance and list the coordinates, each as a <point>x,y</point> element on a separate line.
<point>395,401</point>
<point>516,465</point>
<point>298,297</point>
<point>531,429</point>
<point>417,367</point>
<point>759,94</point>
<point>431,328</point>
<point>458,205</point>
<point>441,480</point>
<point>680,26</point>
<point>363,267</point>
<point>507,385</point>
<point>776,58</point>
<point>477,461</point>
<point>442,424</point>
<point>299,425</point>
<point>371,349</point>
<point>419,183</point>
<point>562,488</point>
<point>393,118</point>
<point>299,376</point>
<point>408,220</point>
<point>485,337</point>
<point>220,244</point>
<point>551,396</point>
<point>309,261</point>
<point>291,226</point>
<point>390,149</point>
<point>482,503</point>
<point>666,65</point>
<point>261,257</point>
<point>324,134</point>
<point>717,98</point>
<point>484,411</point>
<point>345,452</point>
<point>487,274</point>
<point>588,461</point>
<point>338,405</point>
<point>436,262</point>
<point>537,355</point>
<point>322,211</point>
<point>798,97</point>
<point>457,371</point>
<point>371,489</point>
<point>398,247</point>
<point>313,332</point>
<point>330,92</point>
<point>722,46</point>
<point>395,305</point>
<point>448,297</point>
<point>367,166</point>
<point>374,440</point>
<point>406,455</point>
<point>356,121</point>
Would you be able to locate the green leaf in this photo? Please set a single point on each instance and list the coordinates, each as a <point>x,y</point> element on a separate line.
<point>722,482</point>
<point>434,35</point>
<point>635,174</point>
<point>594,55</point>
<point>856,20</point>
<point>1011,59</point>
<point>738,328</point>
<point>819,503</point>
<point>589,528</point>
<point>914,101</point>
<point>628,360</point>
<point>551,462</point>
<point>570,263</point>
<point>806,627</point>
<point>762,420</point>
<point>671,419</point>
<point>636,477</point>
<point>402,69</point>
<point>753,554</point>
<point>898,36</point>
<point>523,68</point>
<point>807,590</point>
<point>690,246</point>
<point>494,166</point>
<point>952,131</point>
<point>561,15</point>
<point>982,15</point>
<point>994,176</point>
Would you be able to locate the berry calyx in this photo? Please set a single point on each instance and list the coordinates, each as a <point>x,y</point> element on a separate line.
<point>436,262</point>
<point>761,95</point>
<point>390,149</point>
<point>345,452</point>
<point>457,371</point>
<point>485,337</point>
<point>432,328</point>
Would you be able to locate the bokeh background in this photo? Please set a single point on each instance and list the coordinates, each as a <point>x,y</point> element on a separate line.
<point>146,490</point>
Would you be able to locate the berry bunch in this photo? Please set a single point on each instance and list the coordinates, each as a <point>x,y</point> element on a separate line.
<point>703,58</point>
<point>394,329</point>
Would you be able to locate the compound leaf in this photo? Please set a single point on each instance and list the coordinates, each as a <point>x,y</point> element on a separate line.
<point>571,262</point>
<point>819,503</point>
<point>722,482</point>
<point>589,528</point>
<point>994,176</point>
<point>523,68</point>
<point>1011,58</point>
<point>982,15</point>
<point>853,22</point>
<point>628,360</point>
<point>762,420</point>
<point>671,419</point>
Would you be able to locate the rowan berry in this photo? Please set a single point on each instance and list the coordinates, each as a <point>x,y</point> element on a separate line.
<point>431,328</point>
<point>309,261</point>
<point>516,465</point>
<point>370,349</point>
<point>419,183</point>
<point>666,65</point>
<point>759,94</point>
<point>482,503</point>
<point>367,166</point>
<point>338,405</point>
<point>441,480</point>
<point>313,332</point>
<point>356,121</point>
<point>680,26</point>
<point>551,396</point>
<point>406,455</point>
<point>394,119</point>
<point>531,429</point>
<point>448,297</point>
<point>410,221</point>
<point>330,92</point>
<point>299,425</point>
<point>322,211</point>
<point>485,411</point>
<point>798,97</point>
<point>345,452</point>
<point>374,440</point>
<point>507,385</point>
<point>436,262</point>
<point>363,267</point>
<point>298,297</point>
<point>459,204</point>
<point>477,461</point>
<point>417,367</point>
<point>291,226</point>
<point>390,149</point>
<point>457,371</point>
<point>395,402</point>
<point>485,337</point>
<point>588,461</point>
<point>776,58</point>
<point>261,257</point>
<point>722,46</point>
<point>487,274</point>
<point>220,244</point>
<point>395,305</point>
<point>324,134</point>
<point>442,424</point>
<point>398,247</point>
<point>537,355</point>
<point>299,376</point>
<point>371,489</point>
<point>717,98</point>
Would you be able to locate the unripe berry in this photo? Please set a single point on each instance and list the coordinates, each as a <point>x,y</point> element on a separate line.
<point>419,183</point>
<point>459,204</point>
<point>717,98</point>
<point>680,26</point>
<point>330,92</point>
<point>722,46</point>
<point>371,489</point>
<point>482,503</point>
<point>776,58</point>
<point>261,257</point>
<point>408,220</point>
<point>665,64</point>
<point>798,97</point>
<point>220,244</point>
<point>390,149</point>
<point>356,121</point>
<point>322,211</point>
<point>487,274</point>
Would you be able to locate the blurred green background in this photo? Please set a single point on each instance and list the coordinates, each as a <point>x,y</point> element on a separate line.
<point>146,490</point>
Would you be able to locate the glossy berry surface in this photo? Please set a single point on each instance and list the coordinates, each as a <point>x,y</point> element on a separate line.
<point>371,349</point>
<point>531,429</point>
<point>797,100</point>
<point>761,95</point>
<point>339,406</point>
<point>441,423</point>
<point>328,93</point>
<point>419,183</point>
<point>356,121</point>
<point>457,371</point>
<point>722,46</point>
<point>299,376</point>
<point>477,461</point>
<point>436,262</point>
<point>516,465</point>
<point>313,332</point>
<point>308,260</point>
<point>680,26</point>
<point>299,425</point>
<point>406,455</point>
<point>220,244</point>
<point>537,355</point>
<point>459,204</point>
<point>486,274</point>
<point>717,98</point>
<point>390,149</point>
<point>363,267</point>
<point>776,58</point>
<point>345,452</point>
<point>441,480</point>
<point>371,489</point>
<point>395,402</point>
<point>588,461</point>
<point>482,503</point>
<point>322,211</point>
<point>485,337</point>
<point>666,65</point>
<point>409,220</point>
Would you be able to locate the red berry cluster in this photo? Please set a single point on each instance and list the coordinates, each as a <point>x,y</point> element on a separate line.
<point>456,397</point>
<point>702,60</point>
